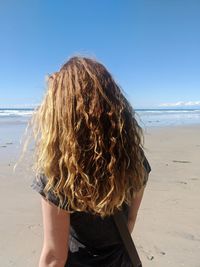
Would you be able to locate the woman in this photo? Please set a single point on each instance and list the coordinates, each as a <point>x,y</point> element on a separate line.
<point>89,163</point>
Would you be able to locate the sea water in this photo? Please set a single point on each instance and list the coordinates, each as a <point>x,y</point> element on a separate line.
<point>145,117</point>
<point>167,117</point>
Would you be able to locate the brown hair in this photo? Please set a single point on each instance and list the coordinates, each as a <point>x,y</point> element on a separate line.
<point>87,139</point>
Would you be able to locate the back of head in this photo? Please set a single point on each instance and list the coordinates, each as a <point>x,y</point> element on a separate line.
<point>87,139</point>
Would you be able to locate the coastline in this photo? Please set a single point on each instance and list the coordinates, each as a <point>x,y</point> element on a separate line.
<point>167,228</point>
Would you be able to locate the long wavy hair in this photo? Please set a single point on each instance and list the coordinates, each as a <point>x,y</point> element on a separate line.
<point>88,142</point>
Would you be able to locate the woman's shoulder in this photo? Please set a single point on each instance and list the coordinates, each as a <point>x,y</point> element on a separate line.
<point>147,167</point>
<point>39,183</point>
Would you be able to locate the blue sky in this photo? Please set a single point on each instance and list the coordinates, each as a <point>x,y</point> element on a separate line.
<point>151,47</point>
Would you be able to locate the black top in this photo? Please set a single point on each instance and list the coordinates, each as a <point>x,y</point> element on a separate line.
<point>93,241</point>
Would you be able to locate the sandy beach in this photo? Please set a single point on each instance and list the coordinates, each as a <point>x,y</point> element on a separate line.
<point>167,230</point>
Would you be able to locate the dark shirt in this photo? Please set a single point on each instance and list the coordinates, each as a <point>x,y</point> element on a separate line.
<point>94,241</point>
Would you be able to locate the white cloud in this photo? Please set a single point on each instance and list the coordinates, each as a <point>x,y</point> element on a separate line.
<point>181,104</point>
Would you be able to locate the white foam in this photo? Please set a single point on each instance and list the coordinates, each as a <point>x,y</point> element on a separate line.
<point>15,112</point>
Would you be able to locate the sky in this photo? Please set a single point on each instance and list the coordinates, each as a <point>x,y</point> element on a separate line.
<point>152,47</point>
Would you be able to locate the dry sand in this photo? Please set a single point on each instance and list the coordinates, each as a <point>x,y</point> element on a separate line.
<point>167,231</point>
<point>168,227</point>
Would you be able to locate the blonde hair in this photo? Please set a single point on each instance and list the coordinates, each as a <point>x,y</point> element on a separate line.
<point>88,142</point>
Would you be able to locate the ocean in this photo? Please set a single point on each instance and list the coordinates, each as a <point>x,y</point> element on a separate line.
<point>145,117</point>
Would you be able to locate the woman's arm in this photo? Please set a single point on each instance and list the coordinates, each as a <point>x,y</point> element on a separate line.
<point>134,209</point>
<point>56,226</point>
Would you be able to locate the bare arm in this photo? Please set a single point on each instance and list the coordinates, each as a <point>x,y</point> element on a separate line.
<point>134,209</point>
<point>56,234</point>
